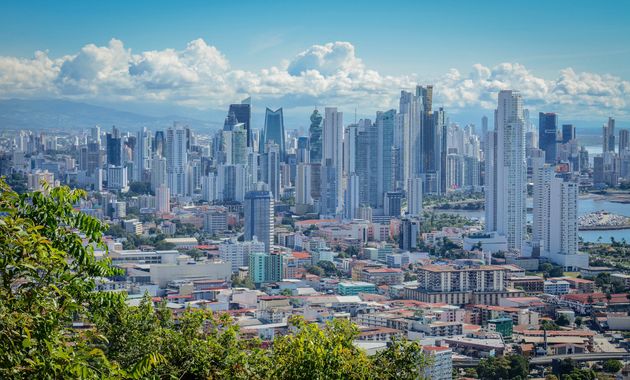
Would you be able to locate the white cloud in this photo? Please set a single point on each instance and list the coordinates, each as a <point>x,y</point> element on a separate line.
<point>201,76</point>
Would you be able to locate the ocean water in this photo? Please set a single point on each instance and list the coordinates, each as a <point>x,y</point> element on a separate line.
<point>585,206</point>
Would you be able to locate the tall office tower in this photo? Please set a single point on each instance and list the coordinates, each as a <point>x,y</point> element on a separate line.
<point>409,230</point>
<point>506,171</point>
<point>303,185</point>
<point>114,148</point>
<point>93,158</point>
<point>274,131</point>
<point>194,173</point>
<point>568,133</point>
<point>302,152</point>
<point>95,134</point>
<point>231,183</point>
<point>315,137</point>
<point>163,198</point>
<point>547,135</point>
<point>624,140</point>
<point>176,159</point>
<point>209,188</point>
<point>362,151</point>
<point>259,217</point>
<point>441,123</point>
<point>243,114</point>
<point>414,196</point>
<point>454,171</point>
<point>239,144</point>
<point>351,203</point>
<point>431,149</point>
<point>484,127</point>
<point>385,122</point>
<point>315,154</point>
<point>555,222</point>
<point>159,144</point>
<point>141,154</point>
<point>471,176</point>
<point>332,162</point>
<point>230,121</point>
<point>158,172</point>
<point>411,119</point>
<point>609,136</point>
<point>270,168</point>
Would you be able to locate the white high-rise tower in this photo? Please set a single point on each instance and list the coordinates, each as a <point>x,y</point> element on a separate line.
<point>177,159</point>
<point>332,162</point>
<point>506,171</point>
<point>555,227</point>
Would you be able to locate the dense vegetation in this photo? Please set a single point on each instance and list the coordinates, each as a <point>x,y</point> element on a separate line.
<point>47,286</point>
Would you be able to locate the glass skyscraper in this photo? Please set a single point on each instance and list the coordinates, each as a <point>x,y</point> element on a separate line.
<point>274,130</point>
<point>547,132</point>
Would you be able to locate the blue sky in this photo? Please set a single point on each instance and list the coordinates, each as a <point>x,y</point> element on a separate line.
<point>401,41</point>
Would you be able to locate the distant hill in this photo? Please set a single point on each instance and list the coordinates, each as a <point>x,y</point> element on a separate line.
<point>45,114</point>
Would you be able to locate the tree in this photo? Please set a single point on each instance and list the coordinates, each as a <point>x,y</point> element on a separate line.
<point>612,366</point>
<point>556,272</point>
<point>578,321</point>
<point>562,320</point>
<point>402,360</point>
<point>47,282</point>
<point>314,353</point>
<point>503,368</point>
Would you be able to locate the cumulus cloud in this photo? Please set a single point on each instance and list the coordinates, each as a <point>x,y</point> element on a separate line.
<point>200,75</point>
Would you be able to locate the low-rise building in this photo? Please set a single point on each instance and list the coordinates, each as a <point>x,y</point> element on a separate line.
<point>556,287</point>
<point>352,288</point>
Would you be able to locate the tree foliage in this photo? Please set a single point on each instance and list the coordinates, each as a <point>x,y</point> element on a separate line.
<point>503,368</point>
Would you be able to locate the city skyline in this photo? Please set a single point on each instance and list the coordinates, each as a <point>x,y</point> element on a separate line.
<point>199,68</point>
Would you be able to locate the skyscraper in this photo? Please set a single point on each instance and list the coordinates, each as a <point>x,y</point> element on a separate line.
<point>259,217</point>
<point>141,154</point>
<point>270,168</point>
<point>506,171</point>
<point>384,167</point>
<point>163,199</point>
<point>608,137</point>
<point>547,135</point>
<point>414,196</point>
<point>243,114</point>
<point>274,130</point>
<point>177,159</point>
<point>624,140</point>
<point>568,133</point>
<point>114,148</point>
<point>332,162</point>
<point>555,222</point>
<point>159,144</point>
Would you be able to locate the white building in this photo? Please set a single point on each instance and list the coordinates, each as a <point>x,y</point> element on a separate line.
<point>555,226</point>
<point>414,196</point>
<point>177,159</point>
<point>117,178</point>
<point>441,367</point>
<point>303,184</point>
<point>163,195</point>
<point>237,253</point>
<point>332,162</point>
<point>556,287</point>
<point>506,171</point>
<point>158,172</point>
